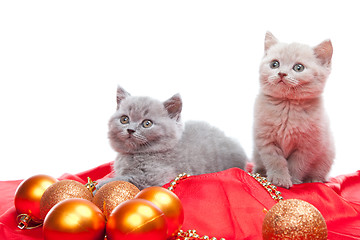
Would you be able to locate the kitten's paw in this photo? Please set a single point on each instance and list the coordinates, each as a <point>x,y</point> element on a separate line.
<point>102,183</point>
<point>261,171</point>
<point>313,180</point>
<point>280,180</point>
<point>296,181</point>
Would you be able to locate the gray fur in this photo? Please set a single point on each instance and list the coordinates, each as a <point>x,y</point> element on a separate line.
<point>154,156</point>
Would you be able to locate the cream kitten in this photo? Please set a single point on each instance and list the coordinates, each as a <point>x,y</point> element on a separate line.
<point>293,143</point>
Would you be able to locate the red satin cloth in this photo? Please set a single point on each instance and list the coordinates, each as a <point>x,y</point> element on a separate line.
<point>226,204</point>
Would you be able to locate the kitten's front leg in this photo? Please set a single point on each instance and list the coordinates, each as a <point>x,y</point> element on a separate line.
<point>298,166</point>
<point>117,178</point>
<point>276,166</point>
<point>258,164</point>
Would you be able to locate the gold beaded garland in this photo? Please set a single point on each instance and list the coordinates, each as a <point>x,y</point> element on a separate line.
<point>272,189</point>
<point>176,181</point>
<point>191,234</point>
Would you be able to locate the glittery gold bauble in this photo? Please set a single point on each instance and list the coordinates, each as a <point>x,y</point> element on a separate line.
<point>112,194</point>
<point>74,219</point>
<point>136,219</point>
<point>168,203</point>
<point>294,219</point>
<point>64,189</point>
<point>28,195</point>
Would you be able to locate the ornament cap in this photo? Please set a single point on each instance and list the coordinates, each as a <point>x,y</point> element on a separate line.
<point>24,222</point>
<point>91,185</point>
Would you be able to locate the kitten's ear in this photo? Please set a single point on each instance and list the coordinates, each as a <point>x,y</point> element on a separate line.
<point>174,106</point>
<point>324,52</point>
<point>270,40</point>
<point>121,94</point>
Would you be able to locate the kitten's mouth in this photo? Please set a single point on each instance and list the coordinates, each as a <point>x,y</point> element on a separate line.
<point>281,81</point>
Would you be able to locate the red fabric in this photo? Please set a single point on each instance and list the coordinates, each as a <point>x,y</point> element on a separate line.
<point>226,204</point>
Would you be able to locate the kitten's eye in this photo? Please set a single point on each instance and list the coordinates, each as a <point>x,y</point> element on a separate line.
<point>298,67</point>
<point>147,123</point>
<point>124,119</point>
<point>275,64</point>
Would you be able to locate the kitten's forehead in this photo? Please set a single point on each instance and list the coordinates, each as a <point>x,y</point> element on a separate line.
<point>139,108</point>
<point>291,53</point>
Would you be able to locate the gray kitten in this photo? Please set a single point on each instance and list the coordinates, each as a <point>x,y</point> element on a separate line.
<point>293,143</point>
<point>154,146</point>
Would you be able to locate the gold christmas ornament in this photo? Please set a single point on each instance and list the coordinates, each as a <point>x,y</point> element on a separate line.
<point>27,199</point>
<point>136,219</point>
<point>74,219</point>
<point>168,203</point>
<point>64,189</point>
<point>294,219</point>
<point>290,219</point>
<point>112,194</point>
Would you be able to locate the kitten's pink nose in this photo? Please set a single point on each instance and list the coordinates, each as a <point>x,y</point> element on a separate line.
<point>130,131</point>
<point>282,74</point>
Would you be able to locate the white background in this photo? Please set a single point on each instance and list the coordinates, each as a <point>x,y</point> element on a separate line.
<point>61,61</point>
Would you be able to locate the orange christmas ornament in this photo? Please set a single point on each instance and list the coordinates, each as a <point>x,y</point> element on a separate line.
<point>74,219</point>
<point>27,199</point>
<point>294,219</point>
<point>64,189</point>
<point>168,203</point>
<point>136,219</point>
<point>112,194</point>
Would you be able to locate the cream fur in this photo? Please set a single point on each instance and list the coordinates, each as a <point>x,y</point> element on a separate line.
<point>292,139</point>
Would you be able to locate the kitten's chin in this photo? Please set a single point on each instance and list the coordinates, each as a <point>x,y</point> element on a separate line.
<point>129,147</point>
<point>291,96</point>
<point>277,92</point>
<point>122,148</point>
<point>282,95</point>
<point>284,91</point>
